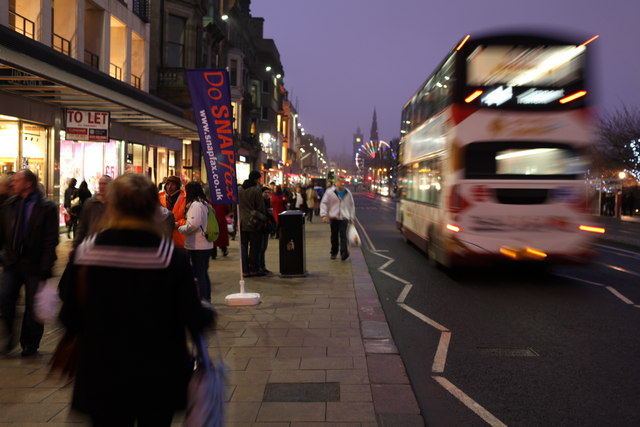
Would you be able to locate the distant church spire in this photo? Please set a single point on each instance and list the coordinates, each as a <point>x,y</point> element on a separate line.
<point>374,127</point>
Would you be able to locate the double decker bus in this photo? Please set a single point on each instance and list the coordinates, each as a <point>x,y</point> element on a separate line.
<point>494,150</point>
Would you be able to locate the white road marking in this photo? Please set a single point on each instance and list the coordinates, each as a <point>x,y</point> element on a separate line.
<point>366,236</point>
<point>424,318</point>
<point>404,293</point>
<point>441,353</point>
<point>619,295</point>
<point>469,402</point>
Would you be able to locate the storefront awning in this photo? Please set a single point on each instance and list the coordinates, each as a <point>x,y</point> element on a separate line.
<point>32,70</point>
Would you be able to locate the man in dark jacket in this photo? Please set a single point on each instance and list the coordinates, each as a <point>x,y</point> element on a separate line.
<point>253,215</point>
<point>28,239</point>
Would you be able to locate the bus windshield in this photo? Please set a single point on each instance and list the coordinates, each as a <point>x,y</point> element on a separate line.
<point>543,66</point>
<point>521,160</point>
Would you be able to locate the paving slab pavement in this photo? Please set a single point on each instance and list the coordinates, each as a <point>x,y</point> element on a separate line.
<point>316,351</point>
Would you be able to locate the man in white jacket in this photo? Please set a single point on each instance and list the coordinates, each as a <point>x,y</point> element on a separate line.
<point>338,208</point>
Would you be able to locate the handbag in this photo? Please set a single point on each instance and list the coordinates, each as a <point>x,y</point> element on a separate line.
<point>45,304</point>
<point>206,390</point>
<point>352,235</point>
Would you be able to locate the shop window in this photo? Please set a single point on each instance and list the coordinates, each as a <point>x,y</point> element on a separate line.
<point>9,134</point>
<point>34,148</point>
<point>135,158</point>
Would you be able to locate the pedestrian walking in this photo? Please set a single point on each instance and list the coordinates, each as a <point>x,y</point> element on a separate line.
<point>312,201</point>
<point>28,239</point>
<point>71,203</point>
<point>253,217</point>
<point>92,211</point>
<point>222,242</point>
<point>338,208</point>
<point>174,199</point>
<point>195,242</point>
<point>126,291</point>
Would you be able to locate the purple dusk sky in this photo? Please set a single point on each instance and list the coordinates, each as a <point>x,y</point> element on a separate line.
<point>342,58</point>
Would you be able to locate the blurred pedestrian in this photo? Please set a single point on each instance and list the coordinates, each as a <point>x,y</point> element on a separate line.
<point>312,201</point>
<point>84,193</point>
<point>174,199</point>
<point>28,239</point>
<point>338,208</point>
<point>278,205</point>
<point>195,242</point>
<point>222,242</point>
<point>300,202</point>
<point>71,203</point>
<point>126,291</point>
<point>253,216</point>
<point>91,212</point>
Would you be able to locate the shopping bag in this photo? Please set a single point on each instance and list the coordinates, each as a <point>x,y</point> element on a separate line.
<point>352,235</point>
<point>206,392</point>
<point>46,301</point>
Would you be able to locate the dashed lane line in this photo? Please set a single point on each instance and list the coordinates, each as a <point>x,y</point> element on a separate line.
<point>609,288</point>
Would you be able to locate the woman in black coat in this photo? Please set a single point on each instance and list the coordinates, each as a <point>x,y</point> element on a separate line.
<point>129,296</point>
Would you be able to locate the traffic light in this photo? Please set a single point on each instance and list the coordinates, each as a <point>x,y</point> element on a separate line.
<point>330,176</point>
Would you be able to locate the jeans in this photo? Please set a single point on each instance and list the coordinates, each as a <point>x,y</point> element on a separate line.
<point>200,265</point>
<point>251,249</point>
<point>10,285</point>
<point>339,236</point>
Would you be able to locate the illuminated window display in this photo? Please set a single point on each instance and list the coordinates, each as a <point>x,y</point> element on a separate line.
<point>88,161</point>
<point>24,145</point>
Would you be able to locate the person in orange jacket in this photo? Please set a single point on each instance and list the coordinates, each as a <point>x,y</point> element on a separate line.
<point>174,199</point>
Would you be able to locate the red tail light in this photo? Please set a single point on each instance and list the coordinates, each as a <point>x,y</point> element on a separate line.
<point>457,203</point>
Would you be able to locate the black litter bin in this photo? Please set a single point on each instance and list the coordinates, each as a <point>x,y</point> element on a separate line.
<point>292,259</point>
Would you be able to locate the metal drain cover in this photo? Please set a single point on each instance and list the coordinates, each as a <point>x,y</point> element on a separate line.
<point>302,392</point>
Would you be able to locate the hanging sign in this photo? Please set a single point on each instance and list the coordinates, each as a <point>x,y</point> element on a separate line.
<point>83,125</point>
<point>211,100</point>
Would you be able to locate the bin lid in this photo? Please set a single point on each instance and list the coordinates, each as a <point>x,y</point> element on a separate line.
<point>292,212</point>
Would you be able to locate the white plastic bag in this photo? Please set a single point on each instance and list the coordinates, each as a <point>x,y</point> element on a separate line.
<point>46,300</point>
<point>353,236</point>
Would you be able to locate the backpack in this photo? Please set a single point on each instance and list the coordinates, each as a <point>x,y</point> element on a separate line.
<point>212,231</point>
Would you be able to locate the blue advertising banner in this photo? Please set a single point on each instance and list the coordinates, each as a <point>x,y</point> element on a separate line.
<point>211,100</point>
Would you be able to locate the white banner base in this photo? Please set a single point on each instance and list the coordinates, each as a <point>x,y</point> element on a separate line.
<point>242,299</point>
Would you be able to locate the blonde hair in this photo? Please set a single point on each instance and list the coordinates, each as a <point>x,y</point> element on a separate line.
<point>132,202</point>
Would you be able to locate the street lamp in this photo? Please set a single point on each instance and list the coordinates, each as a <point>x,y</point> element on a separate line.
<point>622,175</point>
